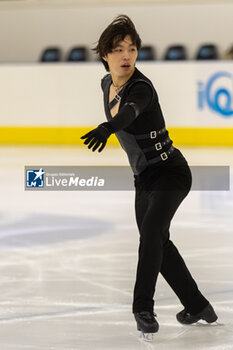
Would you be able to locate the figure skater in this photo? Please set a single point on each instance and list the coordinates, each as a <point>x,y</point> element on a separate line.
<point>162,176</point>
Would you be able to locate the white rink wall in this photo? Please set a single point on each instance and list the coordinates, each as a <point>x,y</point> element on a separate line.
<point>191,94</point>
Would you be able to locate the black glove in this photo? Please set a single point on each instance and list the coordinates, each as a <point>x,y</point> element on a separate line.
<point>97,136</point>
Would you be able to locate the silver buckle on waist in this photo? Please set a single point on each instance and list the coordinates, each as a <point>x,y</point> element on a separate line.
<point>164,156</point>
<point>158,146</point>
<point>153,134</point>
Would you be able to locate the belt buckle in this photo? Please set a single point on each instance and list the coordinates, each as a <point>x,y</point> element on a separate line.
<point>164,156</point>
<point>158,146</point>
<point>153,134</point>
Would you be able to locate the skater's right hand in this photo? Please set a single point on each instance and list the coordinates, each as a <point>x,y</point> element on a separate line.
<point>97,137</point>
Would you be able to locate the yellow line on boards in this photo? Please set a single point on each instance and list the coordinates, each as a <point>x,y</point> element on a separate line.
<point>18,135</point>
<point>202,136</point>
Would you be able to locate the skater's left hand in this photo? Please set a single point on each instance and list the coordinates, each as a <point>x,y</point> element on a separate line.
<point>97,137</point>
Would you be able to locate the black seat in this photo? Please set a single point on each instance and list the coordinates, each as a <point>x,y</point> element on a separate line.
<point>146,53</point>
<point>175,53</point>
<point>51,54</point>
<point>78,54</point>
<point>207,52</point>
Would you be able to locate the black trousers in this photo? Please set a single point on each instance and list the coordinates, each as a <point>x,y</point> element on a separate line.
<point>157,199</point>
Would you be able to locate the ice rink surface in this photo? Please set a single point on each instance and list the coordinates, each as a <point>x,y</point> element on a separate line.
<point>68,259</point>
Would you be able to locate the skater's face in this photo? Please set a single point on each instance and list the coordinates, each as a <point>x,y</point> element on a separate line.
<point>121,60</point>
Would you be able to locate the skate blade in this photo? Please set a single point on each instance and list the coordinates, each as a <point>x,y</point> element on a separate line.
<point>149,337</point>
<point>205,324</point>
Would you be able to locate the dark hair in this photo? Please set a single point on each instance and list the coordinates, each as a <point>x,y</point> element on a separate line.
<point>113,34</point>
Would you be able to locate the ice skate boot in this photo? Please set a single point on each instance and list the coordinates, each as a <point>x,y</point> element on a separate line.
<point>147,324</point>
<point>207,314</point>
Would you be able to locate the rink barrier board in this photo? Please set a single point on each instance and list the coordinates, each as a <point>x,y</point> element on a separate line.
<point>71,136</point>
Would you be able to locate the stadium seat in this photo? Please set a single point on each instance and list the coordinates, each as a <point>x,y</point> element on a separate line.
<point>78,54</point>
<point>207,52</point>
<point>175,53</point>
<point>146,54</point>
<point>51,54</point>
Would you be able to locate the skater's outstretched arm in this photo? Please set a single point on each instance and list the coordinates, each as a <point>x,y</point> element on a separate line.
<point>138,99</point>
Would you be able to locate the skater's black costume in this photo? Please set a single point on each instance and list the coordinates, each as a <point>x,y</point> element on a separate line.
<point>162,181</point>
